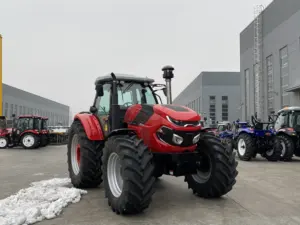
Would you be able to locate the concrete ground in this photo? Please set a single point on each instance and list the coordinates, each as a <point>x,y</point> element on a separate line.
<point>265,193</point>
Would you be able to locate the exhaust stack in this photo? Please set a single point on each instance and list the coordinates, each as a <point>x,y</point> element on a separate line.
<point>168,75</point>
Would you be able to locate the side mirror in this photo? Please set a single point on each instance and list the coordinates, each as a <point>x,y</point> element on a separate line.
<point>165,91</point>
<point>99,90</point>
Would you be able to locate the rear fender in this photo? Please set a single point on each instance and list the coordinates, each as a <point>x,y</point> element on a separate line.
<point>91,126</point>
<point>29,131</point>
<point>123,131</point>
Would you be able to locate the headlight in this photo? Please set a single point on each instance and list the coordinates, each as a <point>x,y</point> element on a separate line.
<point>177,139</point>
<point>196,139</point>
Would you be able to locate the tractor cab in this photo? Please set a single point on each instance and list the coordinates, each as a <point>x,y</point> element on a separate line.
<point>116,94</point>
<point>26,131</point>
<point>287,127</point>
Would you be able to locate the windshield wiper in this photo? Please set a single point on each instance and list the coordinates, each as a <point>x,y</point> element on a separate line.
<point>129,86</point>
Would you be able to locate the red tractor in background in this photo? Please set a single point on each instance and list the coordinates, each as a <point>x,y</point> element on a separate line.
<point>44,134</point>
<point>127,140</point>
<point>26,131</point>
<point>5,133</point>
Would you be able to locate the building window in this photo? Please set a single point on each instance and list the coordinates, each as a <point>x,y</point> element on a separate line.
<point>11,110</point>
<point>247,92</point>
<point>6,109</point>
<point>212,108</point>
<point>225,108</point>
<point>20,110</point>
<point>284,76</point>
<point>270,87</point>
<point>16,110</point>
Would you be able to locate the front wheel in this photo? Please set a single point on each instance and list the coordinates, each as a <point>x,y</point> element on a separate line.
<point>285,146</point>
<point>29,141</point>
<point>84,158</point>
<point>216,174</point>
<point>245,147</point>
<point>127,174</point>
<point>3,142</point>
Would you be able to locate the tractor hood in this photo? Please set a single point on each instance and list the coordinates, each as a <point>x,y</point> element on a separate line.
<point>176,112</point>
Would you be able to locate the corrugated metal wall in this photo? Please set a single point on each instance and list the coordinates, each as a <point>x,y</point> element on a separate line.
<point>16,101</point>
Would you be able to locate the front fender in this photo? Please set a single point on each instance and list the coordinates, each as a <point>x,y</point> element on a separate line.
<point>91,126</point>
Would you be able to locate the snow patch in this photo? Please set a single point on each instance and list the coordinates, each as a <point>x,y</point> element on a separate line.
<point>42,200</point>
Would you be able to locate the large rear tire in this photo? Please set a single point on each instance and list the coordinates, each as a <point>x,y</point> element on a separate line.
<point>285,146</point>
<point>217,171</point>
<point>127,174</point>
<point>84,158</point>
<point>245,147</point>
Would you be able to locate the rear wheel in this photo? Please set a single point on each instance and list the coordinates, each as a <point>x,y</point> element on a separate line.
<point>127,174</point>
<point>43,140</point>
<point>3,142</point>
<point>29,141</point>
<point>216,174</point>
<point>84,158</point>
<point>285,146</point>
<point>245,147</point>
<point>272,154</point>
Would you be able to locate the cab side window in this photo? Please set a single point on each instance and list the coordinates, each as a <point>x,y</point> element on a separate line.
<point>281,120</point>
<point>103,102</point>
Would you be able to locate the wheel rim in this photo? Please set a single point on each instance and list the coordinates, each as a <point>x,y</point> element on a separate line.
<point>283,148</point>
<point>270,152</point>
<point>114,175</point>
<point>241,147</point>
<point>3,142</point>
<point>75,154</point>
<point>28,141</point>
<point>204,171</point>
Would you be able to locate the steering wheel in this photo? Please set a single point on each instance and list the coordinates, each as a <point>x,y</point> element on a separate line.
<point>127,103</point>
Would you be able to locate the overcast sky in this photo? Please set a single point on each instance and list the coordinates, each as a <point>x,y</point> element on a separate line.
<point>57,48</point>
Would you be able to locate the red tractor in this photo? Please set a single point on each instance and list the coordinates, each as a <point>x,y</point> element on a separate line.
<point>44,134</point>
<point>26,131</point>
<point>5,133</point>
<point>127,140</point>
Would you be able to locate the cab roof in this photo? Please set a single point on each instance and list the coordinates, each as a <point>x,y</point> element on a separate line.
<point>123,77</point>
<point>290,108</point>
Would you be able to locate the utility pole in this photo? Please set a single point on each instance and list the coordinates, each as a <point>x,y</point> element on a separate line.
<point>258,62</point>
<point>1,99</point>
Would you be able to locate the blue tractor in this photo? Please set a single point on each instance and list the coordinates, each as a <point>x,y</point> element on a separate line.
<point>224,132</point>
<point>257,138</point>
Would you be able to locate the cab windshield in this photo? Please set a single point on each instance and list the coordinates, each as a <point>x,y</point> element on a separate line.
<point>25,124</point>
<point>295,119</point>
<point>134,93</point>
<point>129,93</point>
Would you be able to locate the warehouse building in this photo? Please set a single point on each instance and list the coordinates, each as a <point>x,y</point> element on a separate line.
<point>19,102</point>
<point>270,60</point>
<point>214,95</point>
